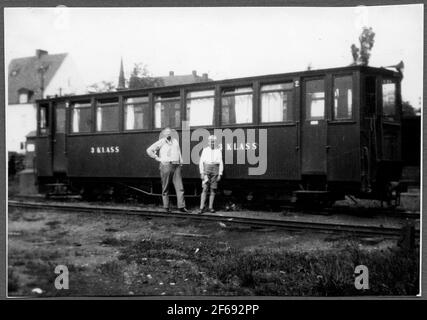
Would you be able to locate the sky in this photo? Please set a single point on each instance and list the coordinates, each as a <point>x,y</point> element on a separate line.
<point>225,42</point>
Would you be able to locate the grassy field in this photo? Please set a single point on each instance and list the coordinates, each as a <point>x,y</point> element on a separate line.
<point>129,255</point>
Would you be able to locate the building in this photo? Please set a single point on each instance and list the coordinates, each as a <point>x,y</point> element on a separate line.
<point>170,80</point>
<point>29,79</point>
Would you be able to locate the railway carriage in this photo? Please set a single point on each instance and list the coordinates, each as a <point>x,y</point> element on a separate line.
<point>317,134</point>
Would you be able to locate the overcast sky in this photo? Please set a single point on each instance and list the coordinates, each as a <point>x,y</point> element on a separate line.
<point>224,42</point>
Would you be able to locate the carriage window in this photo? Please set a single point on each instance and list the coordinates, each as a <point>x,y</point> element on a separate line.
<point>44,119</point>
<point>81,118</point>
<point>315,100</point>
<point>137,113</point>
<point>107,115</point>
<point>236,106</point>
<point>389,99</point>
<point>167,111</point>
<point>200,108</point>
<point>343,98</point>
<point>277,102</point>
<point>60,119</point>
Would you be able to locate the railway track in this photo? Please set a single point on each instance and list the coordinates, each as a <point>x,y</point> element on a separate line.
<point>354,229</point>
<point>356,211</point>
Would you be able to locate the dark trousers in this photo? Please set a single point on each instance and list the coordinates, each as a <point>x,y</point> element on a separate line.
<point>171,173</point>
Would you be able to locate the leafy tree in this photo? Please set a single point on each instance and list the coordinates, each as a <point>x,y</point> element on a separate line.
<point>103,86</point>
<point>355,53</point>
<point>366,43</point>
<point>408,110</point>
<point>361,55</point>
<point>140,70</point>
<point>140,77</point>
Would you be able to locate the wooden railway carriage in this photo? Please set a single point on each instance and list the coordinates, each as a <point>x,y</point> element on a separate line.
<point>328,132</point>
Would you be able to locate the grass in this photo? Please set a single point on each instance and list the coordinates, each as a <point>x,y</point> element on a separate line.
<point>228,263</point>
<point>196,267</point>
<point>286,273</point>
<point>392,272</point>
<point>111,241</point>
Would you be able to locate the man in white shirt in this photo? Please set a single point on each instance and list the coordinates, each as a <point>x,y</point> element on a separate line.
<point>211,168</point>
<point>168,153</point>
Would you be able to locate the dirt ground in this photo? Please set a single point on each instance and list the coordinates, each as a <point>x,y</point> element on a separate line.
<point>116,255</point>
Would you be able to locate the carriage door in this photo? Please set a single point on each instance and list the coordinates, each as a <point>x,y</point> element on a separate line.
<point>313,128</point>
<point>58,142</point>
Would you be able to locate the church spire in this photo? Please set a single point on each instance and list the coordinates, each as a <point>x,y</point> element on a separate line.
<point>121,84</point>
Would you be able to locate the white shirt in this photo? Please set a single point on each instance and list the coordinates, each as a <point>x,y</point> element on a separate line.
<point>211,156</point>
<point>168,150</point>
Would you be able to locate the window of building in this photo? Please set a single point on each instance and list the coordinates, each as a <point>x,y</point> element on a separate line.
<point>277,102</point>
<point>389,99</point>
<point>315,99</point>
<point>200,108</point>
<point>236,106</point>
<point>30,147</point>
<point>107,115</point>
<point>343,98</point>
<point>136,113</point>
<point>23,97</point>
<point>167,111</point>
<point>44,119</point>
<point>81,118</point>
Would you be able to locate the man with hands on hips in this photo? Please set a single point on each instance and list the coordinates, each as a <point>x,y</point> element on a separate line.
<point>169,156</point>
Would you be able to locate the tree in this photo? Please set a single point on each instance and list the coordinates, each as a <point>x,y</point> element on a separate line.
<point>103,86</point>
<point>355,53</point>
<point>408,110</point>
<point>366,43</point>
<point>366,40</point>
<point>140,70</point>
<point>140,77</point>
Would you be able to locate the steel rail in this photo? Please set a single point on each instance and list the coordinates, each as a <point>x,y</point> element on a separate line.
<point>363,230</point>
<point>369,211</point>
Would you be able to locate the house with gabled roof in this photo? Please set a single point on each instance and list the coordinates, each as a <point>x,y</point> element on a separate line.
<point>32,78</point>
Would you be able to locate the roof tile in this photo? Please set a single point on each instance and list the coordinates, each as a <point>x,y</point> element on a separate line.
<point>24,74</point>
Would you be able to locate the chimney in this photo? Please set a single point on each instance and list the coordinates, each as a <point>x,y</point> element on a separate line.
<point>40,53</point>
<point>171,74</point>
<point>205,76</point>
<point>194,73</point>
